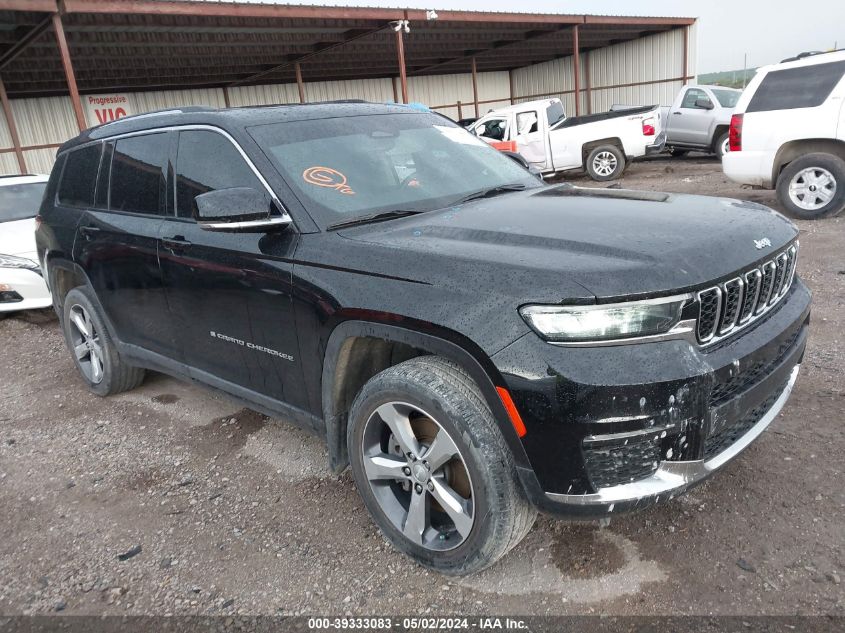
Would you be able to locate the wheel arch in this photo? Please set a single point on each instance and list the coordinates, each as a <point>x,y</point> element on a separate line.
<point>62,276</point>
<point>357,350</point>
<point>788,152</point>
<point>720,129</point>
<point>586,148</point>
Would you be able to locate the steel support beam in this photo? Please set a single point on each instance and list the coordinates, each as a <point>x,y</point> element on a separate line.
<point>299,84</point>
<point>25,41</point>
<point>400,54</point>
<point>13,129</point>
<point>69,76</point>
<point>475,86</point>
<point>576,65</point>
<point>685,61</point>
<point>588,88</point>
<point>510,85</point>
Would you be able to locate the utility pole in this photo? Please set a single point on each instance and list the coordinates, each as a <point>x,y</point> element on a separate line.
<point>744,71</point>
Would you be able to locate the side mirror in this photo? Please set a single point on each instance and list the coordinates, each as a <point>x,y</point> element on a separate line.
<point>704,104</point>
<point>237,209</point>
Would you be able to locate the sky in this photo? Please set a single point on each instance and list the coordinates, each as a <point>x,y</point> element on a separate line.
<point>767,31</point>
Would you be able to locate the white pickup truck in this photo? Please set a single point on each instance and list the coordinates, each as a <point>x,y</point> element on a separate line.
<point>699,119</point>
<point>552,142</point>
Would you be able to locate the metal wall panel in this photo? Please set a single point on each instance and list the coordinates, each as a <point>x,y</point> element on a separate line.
<point>656,57</point>
<point>263,95</point>
<point>45,120</point>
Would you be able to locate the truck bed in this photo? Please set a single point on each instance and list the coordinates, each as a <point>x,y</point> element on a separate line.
<point>601,116</point>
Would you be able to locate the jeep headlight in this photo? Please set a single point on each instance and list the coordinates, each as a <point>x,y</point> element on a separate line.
<point>10,261</point>
<point>604,322</point>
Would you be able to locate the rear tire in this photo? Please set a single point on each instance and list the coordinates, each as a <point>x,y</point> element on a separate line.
<point>92,349</point>
<point>813,186</point>
<point>432,403</point>
<point>605,162</point>
<point>722,145</point>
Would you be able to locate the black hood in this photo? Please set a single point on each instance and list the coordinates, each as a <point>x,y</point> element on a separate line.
<point>614,243</point>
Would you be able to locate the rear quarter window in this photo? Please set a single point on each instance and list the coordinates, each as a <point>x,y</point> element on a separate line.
<point>79,177</point>
<point>804,87</point>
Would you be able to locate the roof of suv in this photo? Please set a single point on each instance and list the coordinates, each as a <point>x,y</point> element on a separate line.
<point>240,117</point>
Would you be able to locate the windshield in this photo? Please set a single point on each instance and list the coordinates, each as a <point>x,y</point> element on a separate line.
<point>349,167</point>
<point>727,98</point>
<point>20,202</point>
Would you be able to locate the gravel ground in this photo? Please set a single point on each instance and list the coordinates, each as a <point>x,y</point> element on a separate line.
<point>173,500</point>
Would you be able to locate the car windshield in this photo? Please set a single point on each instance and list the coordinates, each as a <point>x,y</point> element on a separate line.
<point>350,167</point>
<point>21,201</point>
<point>727,98</point>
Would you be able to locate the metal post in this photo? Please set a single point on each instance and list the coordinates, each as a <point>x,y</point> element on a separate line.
<point>395,90</point>
<point>226,97</point>
<point>13,129</point>
<point>686,56</point>
<point>475,86</point>
<point>510,84</point>
<point>299,83</point>
<point>587,88</point>
<point>403,77</point>
<point>69,76</point>
<point>576,62</point>
<point>460,111</point>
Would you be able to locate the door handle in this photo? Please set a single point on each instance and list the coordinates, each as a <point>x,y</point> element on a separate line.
<point>175,243</point>
<point>677,113</point>
<point>88,232</point>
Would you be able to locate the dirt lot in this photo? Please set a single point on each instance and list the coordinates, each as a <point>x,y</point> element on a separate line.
<point>227,511</point>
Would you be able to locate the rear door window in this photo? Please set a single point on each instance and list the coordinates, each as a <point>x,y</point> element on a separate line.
<point>803,87</point>
<point>138,174</point>
<point>79,177</point>
<point>207,161</point>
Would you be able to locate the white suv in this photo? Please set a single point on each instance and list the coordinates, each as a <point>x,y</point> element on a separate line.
<point>788,132</point>
<point>21,285</point>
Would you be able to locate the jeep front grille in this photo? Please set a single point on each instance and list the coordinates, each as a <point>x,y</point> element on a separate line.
<point>730,306</point>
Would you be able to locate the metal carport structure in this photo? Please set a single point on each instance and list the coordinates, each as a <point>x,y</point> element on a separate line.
<point>84,47</point>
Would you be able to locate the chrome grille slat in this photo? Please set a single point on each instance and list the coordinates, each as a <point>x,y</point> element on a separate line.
<point>732,305</point>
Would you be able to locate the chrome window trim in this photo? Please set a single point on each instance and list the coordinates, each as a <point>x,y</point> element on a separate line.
<point>208,128</point>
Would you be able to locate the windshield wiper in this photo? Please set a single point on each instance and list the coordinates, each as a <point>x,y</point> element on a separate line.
<point>490,192</point>
<point>375,217</point>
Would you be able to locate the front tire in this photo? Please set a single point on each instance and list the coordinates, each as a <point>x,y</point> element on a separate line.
<point>605,162</point>
<point>813,186</point>
<point>722,145</point>
<point>433,469</point>
<point>100,366</point>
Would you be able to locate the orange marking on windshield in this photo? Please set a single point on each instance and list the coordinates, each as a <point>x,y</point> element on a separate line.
<point>327,177</point>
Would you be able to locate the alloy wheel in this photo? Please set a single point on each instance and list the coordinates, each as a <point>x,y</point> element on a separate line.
<point>86,344</point>
<point>604,163</point>
<point>418,476</point>
<point>812,188</point>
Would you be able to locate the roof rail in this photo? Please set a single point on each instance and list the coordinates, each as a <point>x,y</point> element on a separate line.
<point>153,113</point>
<point>807,54</point>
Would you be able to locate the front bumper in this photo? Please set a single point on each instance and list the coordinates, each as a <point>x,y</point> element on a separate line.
<point>26,290</point>
<point>657,146</point>
<point>619,428</point>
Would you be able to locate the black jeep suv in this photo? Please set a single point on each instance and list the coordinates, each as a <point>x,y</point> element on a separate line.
<point>476,345</point>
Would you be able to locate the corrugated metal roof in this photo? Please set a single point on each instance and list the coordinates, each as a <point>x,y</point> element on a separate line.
<point>167,44</point>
